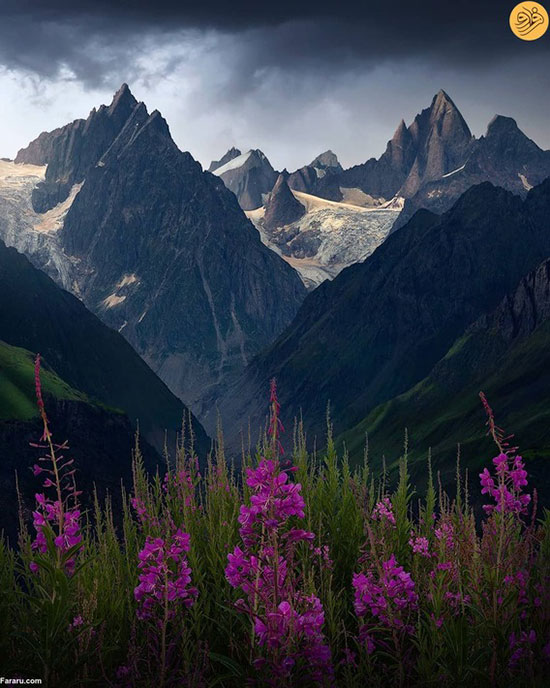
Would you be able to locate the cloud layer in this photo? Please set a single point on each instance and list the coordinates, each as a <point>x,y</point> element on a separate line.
<point>292,78</point>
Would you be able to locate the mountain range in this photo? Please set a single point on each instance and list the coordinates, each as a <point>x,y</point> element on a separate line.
<point>428,164</point>
<point>380,326</point>
<point>157,248</point>
<point>98,390</point>
<point>427,270</point>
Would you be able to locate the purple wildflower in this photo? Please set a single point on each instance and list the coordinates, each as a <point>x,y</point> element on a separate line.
<point>383,511</point>
<point>165,576</point>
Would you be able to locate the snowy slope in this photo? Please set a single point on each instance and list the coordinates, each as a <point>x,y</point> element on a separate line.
<point>29,232</point>
<point>329,237</point>
<point>234,164</point>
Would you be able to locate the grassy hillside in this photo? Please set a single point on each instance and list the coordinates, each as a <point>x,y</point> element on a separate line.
<point>444,409</point>
<point>17,392</point>
<point>38,316</point>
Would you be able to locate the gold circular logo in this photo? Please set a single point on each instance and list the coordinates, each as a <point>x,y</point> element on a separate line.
<point>529,21</point>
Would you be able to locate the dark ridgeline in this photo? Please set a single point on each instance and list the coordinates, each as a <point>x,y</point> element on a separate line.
<point>250,180</point>
<point>164,253</point>
<point>381,326</point>
<point>116,389</point>
<point>282,207</point>
<point>505,353</point>
<point>230,155</point>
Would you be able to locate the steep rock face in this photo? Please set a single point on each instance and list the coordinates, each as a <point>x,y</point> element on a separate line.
<point>72,150</point>
<point>166,256</point>
<point>505,353</point>
<point>380,326</point>
<point>231,154</point>
<point>282,207</point>
<point>435,143</point>
<point>250,177</point>
<point>307,178</point>
<point>327,236</point>
<point>441,138</point>
<point>504,156</point>
<point>37,315</point>
<point>522,311</point>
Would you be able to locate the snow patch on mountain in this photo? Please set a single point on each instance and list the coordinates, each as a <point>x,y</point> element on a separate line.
<point>450,174</point>
<point>128,279</point>
<point>31,233</point>
<point>524,181</point>
<point>113,300</point>
<point>52,220</point>
<point>234,164</point>
<point>329,237</point>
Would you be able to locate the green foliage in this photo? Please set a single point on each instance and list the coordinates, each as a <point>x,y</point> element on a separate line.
<point>17,395</point>
<point>472,647</point>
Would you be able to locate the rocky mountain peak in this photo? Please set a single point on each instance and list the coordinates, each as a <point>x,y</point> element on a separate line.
<point>328,159</point>
<point>501,125</point>
<point>442,140</point>
<point>442,100</point>
<point>400,150</point>
<point>445,114</point>
<point>401,133</point>
<point>73,150</point>
<point>282,206</point>
<point>507,151</point>
<point>249,176</point>
<point>123,100</point>
<point>231,154</point>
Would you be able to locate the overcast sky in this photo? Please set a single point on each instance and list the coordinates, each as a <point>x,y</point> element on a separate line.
<point>291,78</point>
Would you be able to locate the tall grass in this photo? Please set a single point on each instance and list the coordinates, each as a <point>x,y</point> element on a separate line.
<point>413,590</point>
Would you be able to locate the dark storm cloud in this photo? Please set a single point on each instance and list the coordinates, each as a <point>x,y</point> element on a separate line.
<point>93,39</point>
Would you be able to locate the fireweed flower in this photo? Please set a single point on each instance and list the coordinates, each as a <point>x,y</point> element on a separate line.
<point>520,647</point>
<point>506,486</point>
<point>58,514</point>
<point>387,594</point>
<point>383,511</point>
<point>165,576</point>
<point>419,545</point>
<point>287,623</point>
<point>445,534</point>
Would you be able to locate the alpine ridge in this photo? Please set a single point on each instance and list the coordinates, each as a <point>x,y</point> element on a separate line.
<point>380,326</point>
<point>159,249</point>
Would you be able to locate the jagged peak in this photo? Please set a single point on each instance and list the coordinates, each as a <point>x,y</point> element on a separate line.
<point>280,183</point>
<point>123,98</point>
<point>157,122</point>
<point>442,97</point>
<point>443,109</point>
<point>501,124</point>
<point>401,132</point>
<point>256,152</point>
<point>282,207</point>
<point>325,159</point>
<point>231,154</point>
